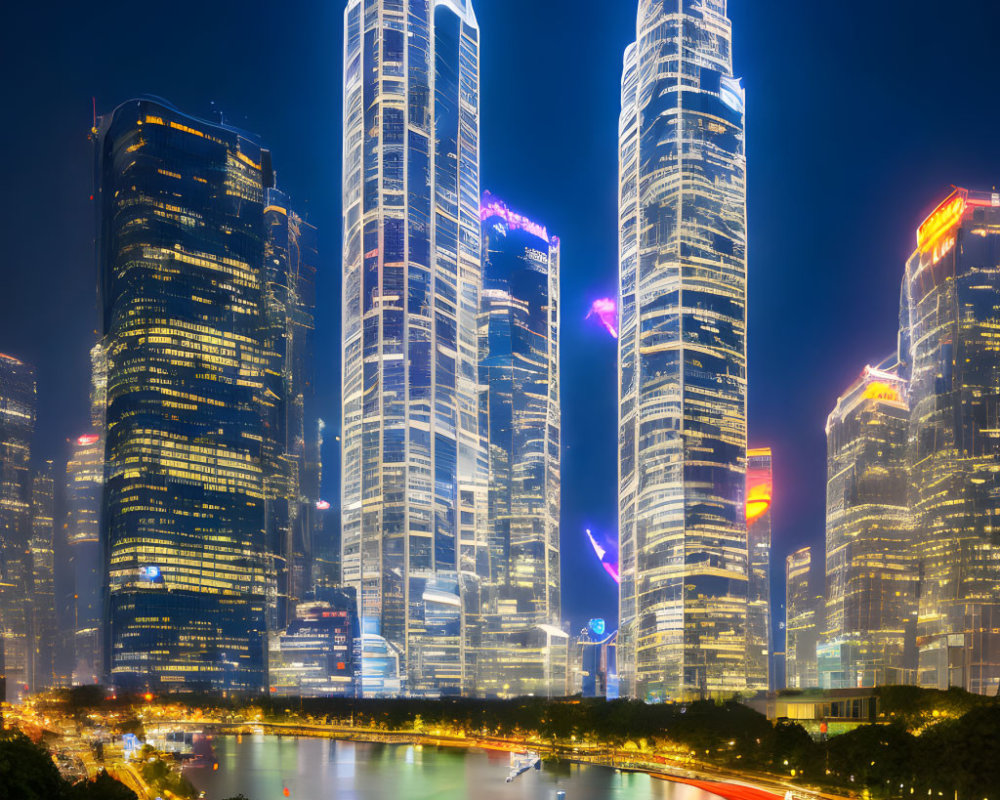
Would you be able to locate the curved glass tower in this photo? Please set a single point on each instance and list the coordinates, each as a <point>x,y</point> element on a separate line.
<point>414,467</point>
<point>181,248</point>
<point>519,375</point>
<point>951,308</point>
<point>682,357</point>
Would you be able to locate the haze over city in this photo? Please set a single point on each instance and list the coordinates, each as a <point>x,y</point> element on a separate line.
<point>620,375</point>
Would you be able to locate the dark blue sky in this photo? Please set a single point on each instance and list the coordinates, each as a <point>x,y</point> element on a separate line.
<point>861,113</point>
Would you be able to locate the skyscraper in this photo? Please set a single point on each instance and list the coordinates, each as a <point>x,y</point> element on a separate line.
<point>43,633</point>
<point>760,483</point>
<point>84,493</point>
<point>804,610</point>
<point>868,636</point>
<point>951,305</point>
<point>682,357</point>
<point>291,488</point>
<point>180,254</point>
<point>413,464</point>
<point>17,427</point>
<point>519,376</point>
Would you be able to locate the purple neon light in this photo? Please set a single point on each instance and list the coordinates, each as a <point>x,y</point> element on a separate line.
<point>495,207</point>
<point>607,555</point>
<point>605,311</point>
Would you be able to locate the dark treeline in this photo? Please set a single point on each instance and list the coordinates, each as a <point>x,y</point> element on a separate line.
<point>27,772</point>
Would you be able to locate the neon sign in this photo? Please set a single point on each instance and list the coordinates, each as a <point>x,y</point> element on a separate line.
<point>494,207</point>
<point>945,217</point>
<point>605,311</point>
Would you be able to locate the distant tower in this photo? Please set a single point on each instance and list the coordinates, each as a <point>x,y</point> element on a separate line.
<point>42,624</point>
<point>84,492</point>
<point>804,609</point>
<point>760,484</point>
<point>682,357</point>
<point>951,297</point>
<point>519,376</point>
<point>17,428</point>
<point>413,464</point>
<point>291,486</point>
<point>868,636</point>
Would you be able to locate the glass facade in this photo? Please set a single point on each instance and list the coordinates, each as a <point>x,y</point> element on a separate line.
<point>180,253</point>
<point>413,463</point>
<point>291,480</point>
<point>804,611</point>
<point>43,632</point>
<point>949,345</point>
<point>868,634</point>
<point>519,378</point>
<point>682,357</point>
<point>316,655</point>
<point>17,428</point>
<point>84,494</point>
<point>760,483</point>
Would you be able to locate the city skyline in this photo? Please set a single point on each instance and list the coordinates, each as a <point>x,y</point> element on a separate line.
<point>790,494</point>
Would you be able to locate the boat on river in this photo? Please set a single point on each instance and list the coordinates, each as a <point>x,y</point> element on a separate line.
<point>522,762</point>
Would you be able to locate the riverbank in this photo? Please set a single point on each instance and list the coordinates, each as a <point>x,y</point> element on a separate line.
<point>722,783</point>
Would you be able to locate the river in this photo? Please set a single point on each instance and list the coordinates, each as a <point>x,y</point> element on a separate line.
<point>264,767</point>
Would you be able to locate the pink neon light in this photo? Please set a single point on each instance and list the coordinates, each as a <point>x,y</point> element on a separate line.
<point>605,311</point>
<point>323,505</point>
<point>494,207</point>
<point>608,561</point>
<point>86,441</point>
<point>597,548</point>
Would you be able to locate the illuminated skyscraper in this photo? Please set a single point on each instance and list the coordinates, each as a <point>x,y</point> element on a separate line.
<point>42,628</point>
<point>682,357</point>
<point>180,253</point>
<point>804,611</point>
<point>759,490</point>
<point>519,376</point>
<point>291,489</point>
<point>951,309</point>
<point>414,467</point>
<point>870,620</point>
<point>84,495</point>
<point>17,427</point>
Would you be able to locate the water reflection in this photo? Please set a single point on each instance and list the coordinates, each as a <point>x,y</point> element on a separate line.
<point>262,767</point>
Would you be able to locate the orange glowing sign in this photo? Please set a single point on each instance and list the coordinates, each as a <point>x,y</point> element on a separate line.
<point>877,390</point>
<point>758,501</point>
<point>945,217</point>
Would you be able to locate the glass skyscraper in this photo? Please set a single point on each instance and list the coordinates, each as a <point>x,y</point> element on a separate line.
<point>682,357</point>
<point>803,615</point>
<point>519,376</point>
<point>43,632</point>
<point>180,252</point>
<point>291,485</point>
<point>760,483</point>
<point>17,428</point>
<point>868,633</point>
<point>949,345</point>
<point>84,494</point>
<point>413,463</point>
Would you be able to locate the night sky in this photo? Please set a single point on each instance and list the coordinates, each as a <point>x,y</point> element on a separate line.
<point>861,113</point>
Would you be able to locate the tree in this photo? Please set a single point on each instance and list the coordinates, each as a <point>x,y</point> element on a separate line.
<point>27,771</point>
<point>103,787</point>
